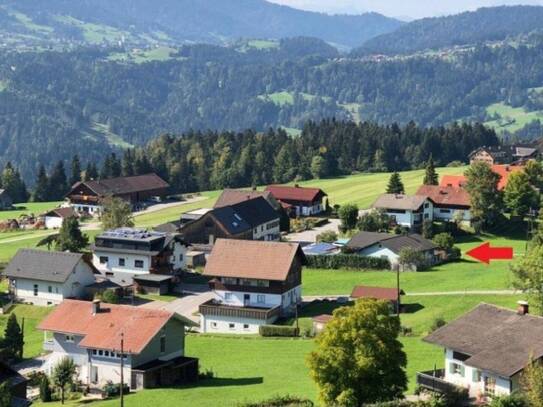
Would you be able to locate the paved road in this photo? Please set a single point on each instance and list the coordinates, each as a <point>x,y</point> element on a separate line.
<point>186,306</point>
<point>310,236</point>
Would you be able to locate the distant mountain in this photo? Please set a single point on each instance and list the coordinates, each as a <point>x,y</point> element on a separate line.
<point>177,21</point>
<point>485,24</point>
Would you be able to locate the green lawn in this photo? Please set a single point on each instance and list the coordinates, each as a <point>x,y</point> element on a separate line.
<point>31,315</point>
<point>142,56</point>
<point>35,208</point>
<point>511,118</point>
<point>363,189</point>
<point>173,213</point>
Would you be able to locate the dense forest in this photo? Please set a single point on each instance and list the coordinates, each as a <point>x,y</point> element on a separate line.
<point>61,22</point>
<point>485,24</point>
<point>54,105</point>
<point>199,161</point>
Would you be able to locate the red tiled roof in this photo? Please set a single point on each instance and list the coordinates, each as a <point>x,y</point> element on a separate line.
<point>286,193</point>
<point>103,330</point>
<point>252,259</point>
<point>445,195</point>
<point>503,171</point>
<point>457,181</point>
<point>378,293</point>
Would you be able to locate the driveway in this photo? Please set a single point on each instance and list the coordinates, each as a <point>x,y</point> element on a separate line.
<point>310,236</point>
<point>186,306</point>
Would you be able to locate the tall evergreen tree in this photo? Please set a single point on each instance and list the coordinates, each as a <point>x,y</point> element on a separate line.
<point>11,181</point>
<point>76,170</point>
<point>13,337</point>
<point>58,183</point>
<point>91,172</point>
<point>70,238</point>
<point>395,184</point>
<point>41,190</point>
<point>430,175</point>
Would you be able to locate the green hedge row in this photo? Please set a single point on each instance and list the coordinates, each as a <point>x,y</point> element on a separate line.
<point>352,261</point>
<point>278,330</point>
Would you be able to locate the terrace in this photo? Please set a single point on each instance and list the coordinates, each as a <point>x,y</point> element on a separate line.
<point>213,307</point>
<point>433,380</point>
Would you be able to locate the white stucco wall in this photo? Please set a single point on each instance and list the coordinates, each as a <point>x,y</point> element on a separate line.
<point>448,215</point>
<point>50,293</point>
<point>467,380</point>
<point>53,222</point>
<point>267,232</point>
<point>270,300</point>
<point>220,324</point>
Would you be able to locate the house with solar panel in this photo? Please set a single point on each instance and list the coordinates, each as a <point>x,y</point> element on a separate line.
<point>86,197</point>
<point>149,259</point>
<point>251,219</point>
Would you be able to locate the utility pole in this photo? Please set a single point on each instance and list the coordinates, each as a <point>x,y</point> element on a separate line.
<point>121,390</point>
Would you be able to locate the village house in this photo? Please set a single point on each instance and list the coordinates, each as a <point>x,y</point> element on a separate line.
<point>254,283</point>
<point>5,200</point>
<point>486,350</point>
<point>87,196</point>
<point>447,203</point>
<point>504,171</point>
<point>299,201</point>
<point>54,218</point>
<point>252,219</point>
<point>127,254</point>
<point>405,210</point>
<point>231,197</point>
<point>512,154</point>
<point>388,246</point>
<point>391,295</point>
<point>98,337</point>
<point>47,277</point>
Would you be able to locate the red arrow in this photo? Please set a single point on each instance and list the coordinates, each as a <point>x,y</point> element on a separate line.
<point>485,253</point>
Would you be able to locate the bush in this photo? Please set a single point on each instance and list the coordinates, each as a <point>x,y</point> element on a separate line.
<point>455,164</point>
<point>114,389</point>
<point>513,400</point>
<point>444,241</point>
<point>437,323</point>
<point>280,401</point>
<point>45,389</point>
<point>328,236</point>
<point>278,330</point>
<point>206,374</point>
<point>406,331</point>
<point>374,221</point>
<point>427,229</point>
<point>110,297</point>
<point>352,261</point>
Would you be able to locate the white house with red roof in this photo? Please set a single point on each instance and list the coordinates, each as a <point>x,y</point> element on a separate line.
<point>303,201</point>
<point>448,202</point>
<point>98,337</point>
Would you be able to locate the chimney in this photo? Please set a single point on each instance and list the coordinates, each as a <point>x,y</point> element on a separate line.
<point>95,307</point>
<point>523,308</point>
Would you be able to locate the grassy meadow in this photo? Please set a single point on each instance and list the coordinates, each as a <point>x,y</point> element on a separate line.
<point>511,118</point>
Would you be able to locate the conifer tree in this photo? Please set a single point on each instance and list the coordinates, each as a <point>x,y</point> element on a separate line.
<point>76,170</point>
<point>13,338</point>
<point>58,183</point>
<point>430,176</point>
<point>395,184</point>
<point>91,172</point>
<point>41,190</point>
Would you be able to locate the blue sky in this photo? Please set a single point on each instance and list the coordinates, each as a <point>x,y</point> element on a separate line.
<point>399,8</point>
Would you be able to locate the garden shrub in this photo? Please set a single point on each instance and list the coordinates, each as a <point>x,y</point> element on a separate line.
<point>352,261</point>
<point>278,330</point>
<point>280,401</point>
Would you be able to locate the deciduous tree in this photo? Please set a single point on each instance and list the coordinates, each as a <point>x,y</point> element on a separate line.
<point>486,199</point>
<point>348,214</point>
<point>64,375</point>
<point>520,196</point>
<point>117,213</point>
<point>358,359</point>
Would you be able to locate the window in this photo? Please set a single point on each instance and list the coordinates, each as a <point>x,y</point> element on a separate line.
<point>232,326</point>
<point>490,386</point>
<point>138,264</point>
<point>476,375</point>
<point>245,326</point>
<point>230,280</point>
<point>260,298</point>
<point>180,257</point>
<point>56,290</point>
<point>69,338</point>
<point>444,211</point>
<point>121,262</point>
<point>109,274</point>
<point>36,290</point>
<point>50,289</point>
<point>163,344</point>
<point>106,353</point>
<point>104,259</point>
<point>228,297</point>
<point>455,368</point>
<point>214,325</point>
<point>94,351</point>
<point>427,205</point>
<point>100,353</point>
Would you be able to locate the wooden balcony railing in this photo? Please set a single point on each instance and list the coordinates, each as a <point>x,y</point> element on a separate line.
<point>433,380</point>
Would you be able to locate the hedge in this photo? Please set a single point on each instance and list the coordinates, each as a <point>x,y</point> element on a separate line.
<point>278,330</point>
<point>352,261</point>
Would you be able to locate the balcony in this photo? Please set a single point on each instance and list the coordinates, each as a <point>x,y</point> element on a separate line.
<point>213,307</point>
<point>433,380</point>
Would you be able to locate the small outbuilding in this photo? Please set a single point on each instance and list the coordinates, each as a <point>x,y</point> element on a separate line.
<point>54,218</point>
<point>153,284</point>
<point>195,258</point>
<point>378,293</point>
<point>319,322</point>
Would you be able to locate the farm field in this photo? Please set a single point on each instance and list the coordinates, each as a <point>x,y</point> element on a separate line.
<point>511,118</point>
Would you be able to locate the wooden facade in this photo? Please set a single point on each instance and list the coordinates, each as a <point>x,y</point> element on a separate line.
<point>208,229</point>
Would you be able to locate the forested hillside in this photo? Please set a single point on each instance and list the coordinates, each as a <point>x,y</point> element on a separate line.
<point>485,24</point>
<point>53,105</point>
<point>63,22</point>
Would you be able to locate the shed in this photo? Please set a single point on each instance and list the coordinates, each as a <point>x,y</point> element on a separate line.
<point>320,321</point>
<point>54,218</point>
<point>153,284</point>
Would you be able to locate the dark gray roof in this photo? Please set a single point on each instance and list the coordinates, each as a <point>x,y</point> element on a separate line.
<point>496,339</point>
<point>395,243</point>
<point>169,227</point>
<point>152,277</point>
<point>125,185</point>
<point>399,201</point>
<point>42,265</point>
<point>245,215</point>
